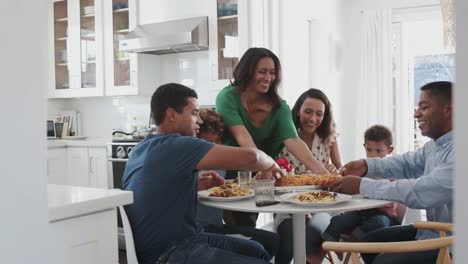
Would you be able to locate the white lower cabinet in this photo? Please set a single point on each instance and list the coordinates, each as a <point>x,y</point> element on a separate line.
<point>98,167</point>
<point>85,239</point>
<point>78,166</point>
<point>57,165</point>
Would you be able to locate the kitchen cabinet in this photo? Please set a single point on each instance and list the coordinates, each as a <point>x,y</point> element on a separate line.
<point>98,167</point>
<point>228,30</point>
<point>228,37</point>
<point>78,166</point>
<point>87,60</point>
<point>83,224</point>
<point>85,239</point>
<point>78,67</point>
<point>74,165</point>
<point>126,73</point>
<point>87,166</point>
<point>57,165</point>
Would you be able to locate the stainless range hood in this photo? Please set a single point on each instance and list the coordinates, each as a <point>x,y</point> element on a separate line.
<point>168,37</point>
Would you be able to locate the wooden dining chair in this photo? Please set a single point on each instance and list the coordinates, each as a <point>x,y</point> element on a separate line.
<point>399,218</point>
<point>442,243</point>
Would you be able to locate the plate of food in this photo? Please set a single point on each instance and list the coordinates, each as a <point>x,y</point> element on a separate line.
<point>315,198</point>
<point>226,193</point>
<point>302,182</point>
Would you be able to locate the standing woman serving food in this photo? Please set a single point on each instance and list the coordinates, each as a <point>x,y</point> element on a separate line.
<point>255,115</point>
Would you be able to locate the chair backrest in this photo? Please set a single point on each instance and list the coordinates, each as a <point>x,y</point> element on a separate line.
<point>129,244</point>
<point>442,243</point>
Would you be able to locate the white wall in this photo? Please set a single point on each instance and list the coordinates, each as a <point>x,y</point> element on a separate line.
<point>189,68</point>
<point>308,63</point>
<point>23,196</point>
<point>461,130</point>
<point>348,16</point>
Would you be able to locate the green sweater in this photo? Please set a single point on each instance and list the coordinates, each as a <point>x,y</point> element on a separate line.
<point>269,138</point>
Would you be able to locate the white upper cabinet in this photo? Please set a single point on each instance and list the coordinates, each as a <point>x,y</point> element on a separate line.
<point>87,60</point>
<point>77,48</point>
<point>126,73</point>
<point>228,39</point>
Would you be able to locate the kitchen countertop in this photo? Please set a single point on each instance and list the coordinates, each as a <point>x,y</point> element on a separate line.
<point>88,142</point>
<point>73,201</point>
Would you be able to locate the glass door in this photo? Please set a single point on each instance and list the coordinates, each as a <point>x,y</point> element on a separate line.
<point>88,43</point>
<point>61,45</point>
<point>228,38</point>
<point>120,27</point>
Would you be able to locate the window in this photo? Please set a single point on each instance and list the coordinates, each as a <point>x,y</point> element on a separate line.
<point>429,68</point>
<point>419,57</point>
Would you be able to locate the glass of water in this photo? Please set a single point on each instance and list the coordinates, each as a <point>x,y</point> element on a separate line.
<point>244,179</point>
<point>264,192</point>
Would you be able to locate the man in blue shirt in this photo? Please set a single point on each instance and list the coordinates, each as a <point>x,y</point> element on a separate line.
<point>162,173</point>
<point>424,177</point>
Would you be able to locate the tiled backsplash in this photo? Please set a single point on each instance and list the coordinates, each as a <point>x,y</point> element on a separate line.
<point>101,115</point>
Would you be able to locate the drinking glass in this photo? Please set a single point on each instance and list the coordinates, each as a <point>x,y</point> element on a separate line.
<point>264,192</point>
<point>244,179</point>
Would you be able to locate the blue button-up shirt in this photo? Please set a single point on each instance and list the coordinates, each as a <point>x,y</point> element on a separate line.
<point>425,180</point>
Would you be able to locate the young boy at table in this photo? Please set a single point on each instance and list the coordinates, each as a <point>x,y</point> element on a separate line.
<point>162,172</point>
<point>210,218</point>
<point>378,144</point>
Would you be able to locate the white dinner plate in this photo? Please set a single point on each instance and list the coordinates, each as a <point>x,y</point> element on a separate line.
<point>338,199</point>
<point>297,188</point>
<point>205,194</point>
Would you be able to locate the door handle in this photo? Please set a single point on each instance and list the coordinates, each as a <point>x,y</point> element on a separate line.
<point>91,165</point>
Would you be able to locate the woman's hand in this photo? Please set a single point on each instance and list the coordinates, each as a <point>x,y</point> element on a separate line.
<point>300,150</point>
<point>274,172</point>
<point>331,168</point>
<point>208,179</point>
<point>357,167</point>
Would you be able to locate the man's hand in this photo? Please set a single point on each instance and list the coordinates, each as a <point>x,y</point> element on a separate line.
<point>274,172</point>
<point>357,167</point>
<point>208,179</point>
<point>348,185</point>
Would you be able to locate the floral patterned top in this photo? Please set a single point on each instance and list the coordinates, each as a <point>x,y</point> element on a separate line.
<point>320,151</point>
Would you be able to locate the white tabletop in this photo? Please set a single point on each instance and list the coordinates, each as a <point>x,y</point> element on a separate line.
<point>73,201</point>
<point>248,205</point>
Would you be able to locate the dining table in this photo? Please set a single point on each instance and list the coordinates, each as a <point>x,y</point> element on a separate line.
<point>298,212</point>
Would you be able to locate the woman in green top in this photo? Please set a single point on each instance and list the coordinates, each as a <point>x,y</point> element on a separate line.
<point>255,115</point>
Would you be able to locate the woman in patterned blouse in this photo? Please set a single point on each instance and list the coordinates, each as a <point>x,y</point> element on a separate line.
<point>313,118</point>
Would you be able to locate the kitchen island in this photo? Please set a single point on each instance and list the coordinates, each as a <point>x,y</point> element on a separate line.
<point>83,223</point>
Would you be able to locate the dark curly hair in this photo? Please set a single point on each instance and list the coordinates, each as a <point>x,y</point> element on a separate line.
<point>327,127</point>
<point>245,71</point>
<point>379,133</point>
<point>212,122</point>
